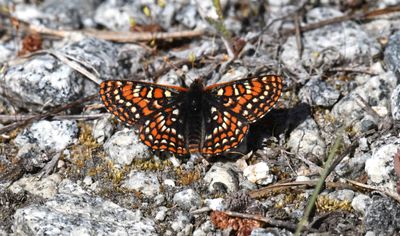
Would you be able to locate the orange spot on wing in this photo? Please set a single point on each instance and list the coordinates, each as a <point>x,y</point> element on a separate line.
<point>142,103</point>
<point>158,93</point>
<point>143,92</point>
<point>241,88</point>
<point>146,111</point>
<point>219,120</point>
<point>127,88</point>
<point>154,132</point>
<point>228,91</point>
<point>237,108</point>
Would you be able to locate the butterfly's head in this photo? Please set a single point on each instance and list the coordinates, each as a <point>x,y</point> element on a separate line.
<point>197,85</point>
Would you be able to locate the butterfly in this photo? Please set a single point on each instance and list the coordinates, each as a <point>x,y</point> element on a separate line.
<point>207,120</point>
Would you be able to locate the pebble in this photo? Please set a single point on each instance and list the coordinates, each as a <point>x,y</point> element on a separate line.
<point>305,139</point>
<point>258,173</point>
<point>224,174</point>
<point>360,203</point>
<point>46,187</point>
<point>392,53</point>
<point>395,103</point>
<point>102,129</point>
<point>51,136</point>
<point>161,214</point>
<point>382,216</point>
<point>146,183</point>
<point>187,199</point>
<point>317,92</point>
<point>380,164</point>
<point>125,146</point>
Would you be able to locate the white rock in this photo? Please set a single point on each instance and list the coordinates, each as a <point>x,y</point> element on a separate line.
<point>222,173</point>
<point>215,204</point>
<point>49,135</point>
<point>146,183</point>
<point>45,187</point>
<point>380,165</point>
<point>258,173</point>
<point>360,203</point>
<point>124,146</point>
<point>187,199</point>
<point>306,139</point>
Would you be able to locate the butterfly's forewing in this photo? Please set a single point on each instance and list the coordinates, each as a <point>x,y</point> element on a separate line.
<point>233,106</point>
<point>154,107</point>
<point>250,98</point>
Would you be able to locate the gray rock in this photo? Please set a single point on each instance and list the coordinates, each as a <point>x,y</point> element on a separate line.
<point>392,54</point>
<point>375,90</point>
<point>382,216</point>
<point>180,222</point>
<point>395,103</point>
<point>361,202</point>
<point>317,92</point>
<point>46,187</point>
<point>335,44</point>
<point>306,139</point>
<point>69,214</point>
<point>224,174</point>
<point>187,199</point>
<point>124,146</point>
<point>342,195</point>
<point>102,129</point>
<point>44,80</point>
<point>51,136</point>
<point>146,183</point>
<point>204,228</point>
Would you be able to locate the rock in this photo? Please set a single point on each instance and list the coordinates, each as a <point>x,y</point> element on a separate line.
<point>216,204</point>
<point>361,202</point>
<point>181,221</point>
<point>46,187</point>
<point>204,228</point>
<point>187,199</point>
<point>392,54</point>
<point>380,164</point>
<point>382,216</point>
<point>224,174</point>
<point>329,45</point>
<point>342,195</point>
<point>45,80</point>
<point>395,103</point>
<point>146,183</point>
<point>317,92</point>
<point>124,146</point>
<point>102,129</point>
<point>375,90</point>
<point>161,214</point>
<point>80,214</point>
<point>258,173</point>
<point>49,136</point>
<point>305,139</point>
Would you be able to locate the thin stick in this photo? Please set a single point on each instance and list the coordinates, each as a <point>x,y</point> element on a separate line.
<point>121,37</point>
<point>340,19</point>
<point>56,110</point>
<point>16,118</point>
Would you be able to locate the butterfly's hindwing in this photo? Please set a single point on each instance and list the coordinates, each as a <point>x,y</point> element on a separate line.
<point>165,131</point>
<point>223,131</point>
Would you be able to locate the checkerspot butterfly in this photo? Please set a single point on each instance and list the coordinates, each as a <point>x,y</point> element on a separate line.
<point>206,120</point>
